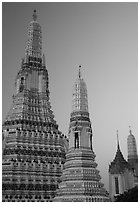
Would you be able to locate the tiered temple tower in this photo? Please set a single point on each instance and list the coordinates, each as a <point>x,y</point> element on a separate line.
<point>132,155</point>
<point>33,147</point>
<point>80,178</point>
<point>121,176</point>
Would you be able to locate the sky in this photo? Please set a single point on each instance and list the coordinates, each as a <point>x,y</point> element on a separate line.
<point>103,39</point>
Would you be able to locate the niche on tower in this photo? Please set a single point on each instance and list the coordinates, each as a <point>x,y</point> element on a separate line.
<point>21,87</point>
<point>76,140</point>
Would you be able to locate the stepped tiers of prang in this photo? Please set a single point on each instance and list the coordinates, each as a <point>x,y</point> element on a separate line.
<point>33,147</point>
<point>80,181</point>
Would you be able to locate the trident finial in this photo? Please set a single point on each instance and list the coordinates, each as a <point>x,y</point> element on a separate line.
<point>34,15</point>
<point>79,71</point>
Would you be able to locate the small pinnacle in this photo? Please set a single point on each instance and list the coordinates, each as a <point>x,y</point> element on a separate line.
<point>117,135</point>
<point>34,15</point>
<point>117,139</point>
<point>130,129</point>
<point>79,71</point>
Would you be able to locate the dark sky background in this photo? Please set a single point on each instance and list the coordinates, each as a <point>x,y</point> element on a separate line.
<point>103,38</point>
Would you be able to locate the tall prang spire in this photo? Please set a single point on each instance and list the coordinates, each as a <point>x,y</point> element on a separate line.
<point>33,76</point>
<point>80,111</point>
<point>33,147</point>
<point>80,98</point>
<point>131,144</point>
<point>34,43</point>
<point>80,178</point>
<point>132,155</point>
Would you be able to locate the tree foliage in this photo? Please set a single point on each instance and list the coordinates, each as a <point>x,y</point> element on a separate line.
<point>129,196</point>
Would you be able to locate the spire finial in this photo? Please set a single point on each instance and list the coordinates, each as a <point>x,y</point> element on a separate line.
<point>130,130</point>
<point>117,139</point>
<point>117,136</point>
<point>34,15</point>
<point>79,74</point>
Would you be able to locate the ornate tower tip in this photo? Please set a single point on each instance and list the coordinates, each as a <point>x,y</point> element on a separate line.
<point>34,15</point>
<point>79,74</point>
<point>130,130</point>
<point>118,139</point>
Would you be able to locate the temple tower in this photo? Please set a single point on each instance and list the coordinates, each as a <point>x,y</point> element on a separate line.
<point>120,175</point>
<point>80,177</point>
<point>132,155</point>
<point>33,147</point>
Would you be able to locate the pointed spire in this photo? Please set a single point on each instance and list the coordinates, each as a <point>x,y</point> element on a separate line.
<point>34,15</point>
<point>130,130</point>
<point>79,73</point>
<point>80,102</point>
<point>119,159</point>
<point>118,140</point>
<point>34,44</point>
